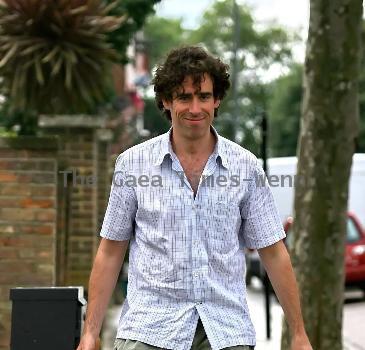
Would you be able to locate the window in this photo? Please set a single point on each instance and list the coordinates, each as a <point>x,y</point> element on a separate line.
<point>353,233</point>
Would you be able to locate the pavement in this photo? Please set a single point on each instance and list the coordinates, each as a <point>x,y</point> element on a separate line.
<point>354,321</point>
<point>353,324</point>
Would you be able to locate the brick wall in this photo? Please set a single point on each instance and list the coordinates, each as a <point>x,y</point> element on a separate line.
<point>78,153</point>
<point>83,152</point>
<point>28,213</point>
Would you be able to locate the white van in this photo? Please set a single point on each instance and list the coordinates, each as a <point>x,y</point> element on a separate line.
<point>281,173</point>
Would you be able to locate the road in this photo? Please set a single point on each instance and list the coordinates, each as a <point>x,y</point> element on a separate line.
<point>353,325</point>
<point>353,322</point>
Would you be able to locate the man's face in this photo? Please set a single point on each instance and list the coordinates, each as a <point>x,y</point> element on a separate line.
<point>192,108</point>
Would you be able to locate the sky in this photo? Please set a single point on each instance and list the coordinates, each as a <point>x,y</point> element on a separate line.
<point>293,15</point>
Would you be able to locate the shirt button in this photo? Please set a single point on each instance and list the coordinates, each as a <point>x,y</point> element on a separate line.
<point>196,274</point>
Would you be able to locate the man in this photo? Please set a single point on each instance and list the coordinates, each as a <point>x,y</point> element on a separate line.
<point>188,203</point>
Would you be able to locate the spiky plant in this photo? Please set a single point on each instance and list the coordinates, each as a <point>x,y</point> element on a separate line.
<point>54,54</point>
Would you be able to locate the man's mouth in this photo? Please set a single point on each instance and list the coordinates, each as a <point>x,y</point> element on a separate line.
<point>194,120</point>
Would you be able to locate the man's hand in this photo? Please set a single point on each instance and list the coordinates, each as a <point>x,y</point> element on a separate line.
<point>103,278</point>
<point>278,266</point>
<point>300,342</point>
<point>89,342</point>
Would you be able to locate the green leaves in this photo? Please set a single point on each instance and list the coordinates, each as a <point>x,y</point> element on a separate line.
<point>54,54</point>
<point>161,35</point>
<point>137,11</point>
<point>257,50</point>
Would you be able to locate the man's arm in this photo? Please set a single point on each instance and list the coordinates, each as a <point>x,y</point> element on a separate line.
<point>276,261</point>
<point>103,278</point>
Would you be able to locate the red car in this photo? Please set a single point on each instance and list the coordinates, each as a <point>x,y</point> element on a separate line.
<point>355,251</point>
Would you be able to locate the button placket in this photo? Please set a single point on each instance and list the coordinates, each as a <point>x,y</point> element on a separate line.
<point>199,255</point>
<point>196,254</point>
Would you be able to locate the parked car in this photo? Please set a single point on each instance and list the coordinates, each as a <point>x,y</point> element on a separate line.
<point>354,254</point>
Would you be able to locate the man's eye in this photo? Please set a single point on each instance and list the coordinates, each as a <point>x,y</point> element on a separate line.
<point>183,98</point>
<point>204,97</point>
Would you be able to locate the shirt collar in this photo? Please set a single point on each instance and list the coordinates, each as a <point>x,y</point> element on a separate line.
<point>166,148</point>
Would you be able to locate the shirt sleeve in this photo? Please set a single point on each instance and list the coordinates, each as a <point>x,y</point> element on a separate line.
<point>261,224</point>
<point>118,224</point>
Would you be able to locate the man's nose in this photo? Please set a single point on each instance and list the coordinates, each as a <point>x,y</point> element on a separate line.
<point>195,107</point>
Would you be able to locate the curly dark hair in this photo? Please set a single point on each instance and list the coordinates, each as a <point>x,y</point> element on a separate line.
<point>191,61</point>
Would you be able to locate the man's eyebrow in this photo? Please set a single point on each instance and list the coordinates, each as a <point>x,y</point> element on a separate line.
<point>205,93</point>
<point>189,94</point>
<point>183,94</point>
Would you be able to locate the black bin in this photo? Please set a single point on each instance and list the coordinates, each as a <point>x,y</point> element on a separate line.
<point>47,318</point>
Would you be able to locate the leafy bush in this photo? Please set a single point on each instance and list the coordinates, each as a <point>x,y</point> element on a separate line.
<point>54,54</point>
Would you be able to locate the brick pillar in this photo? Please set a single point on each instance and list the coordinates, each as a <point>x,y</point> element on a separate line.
<point>104,164</point>
<point>28,208</point>
<point>83,153</point>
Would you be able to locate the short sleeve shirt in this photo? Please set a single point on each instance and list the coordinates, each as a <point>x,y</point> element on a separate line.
<point>186,256</point>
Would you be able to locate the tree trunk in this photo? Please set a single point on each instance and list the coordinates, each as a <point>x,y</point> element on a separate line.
<point>329,127</point>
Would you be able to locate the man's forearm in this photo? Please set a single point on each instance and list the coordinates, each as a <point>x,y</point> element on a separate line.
<point>103,278</point>
<point>277,263</point>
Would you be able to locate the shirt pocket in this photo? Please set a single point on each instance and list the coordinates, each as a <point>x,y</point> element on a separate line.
<point>223,222</point>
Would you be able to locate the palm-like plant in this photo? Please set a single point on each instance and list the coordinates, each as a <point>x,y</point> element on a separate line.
<point>54,54</point>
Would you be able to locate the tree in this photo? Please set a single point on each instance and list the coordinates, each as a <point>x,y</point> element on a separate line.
<point>55,51</point>
<point>256,50</point>
<point>55,56</point>
<point>153,120</point>
<point>137,12</point>
<point>162,35</point>
<point>329,128</point>
<point>283,109</point>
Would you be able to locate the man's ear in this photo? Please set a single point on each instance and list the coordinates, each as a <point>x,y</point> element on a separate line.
<point>166,104</point>
<point>217,102</point>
